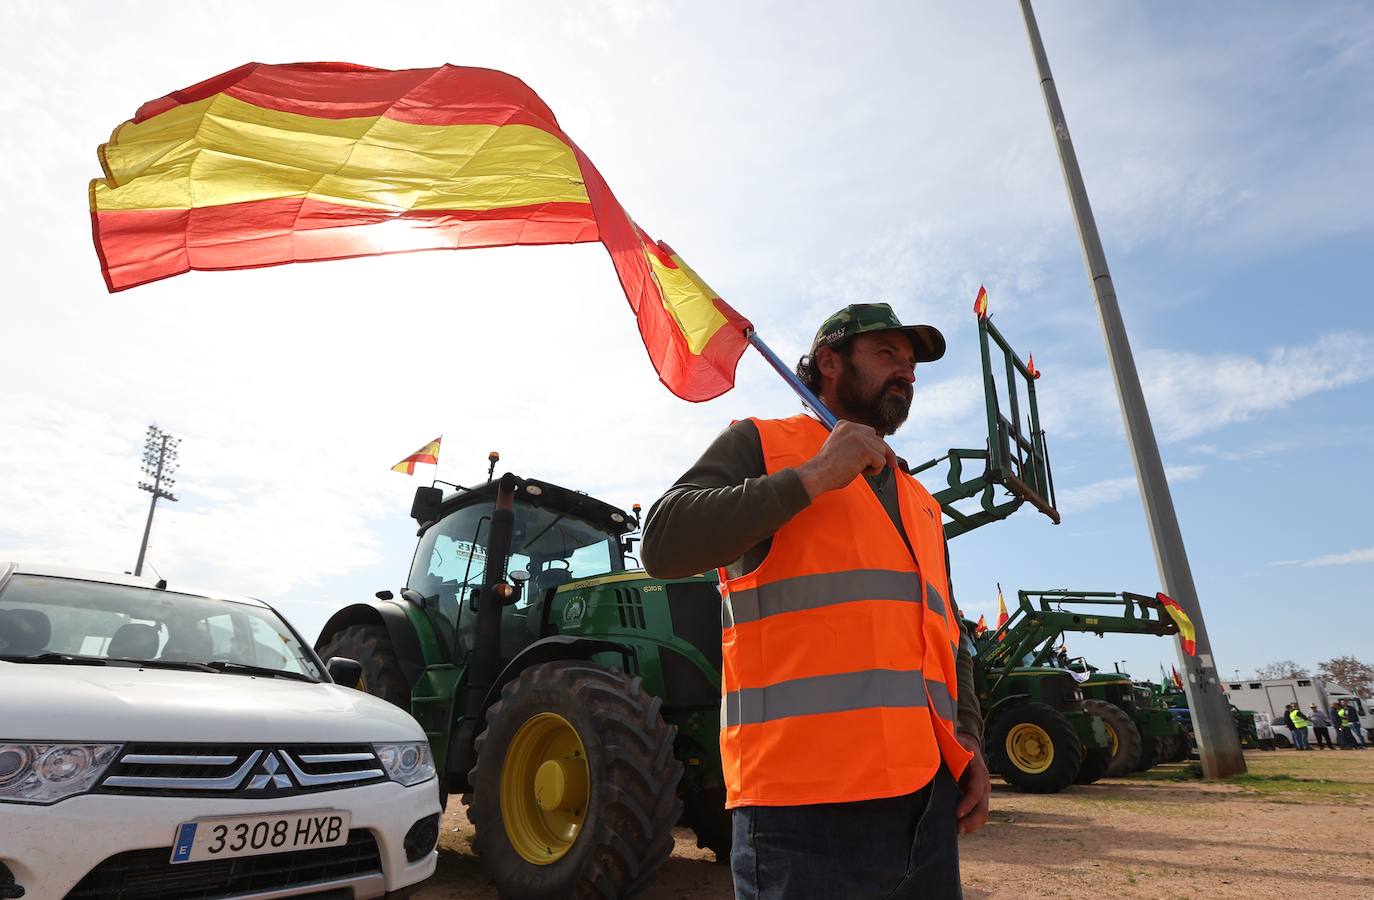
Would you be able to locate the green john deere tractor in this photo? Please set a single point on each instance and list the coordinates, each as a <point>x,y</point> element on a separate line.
<point>1037,734</point>
<point>1173,699</point>
<point>1049,726</point>
<point>1140,731</point>
<point>573,700</point>
<point>1143,733</point>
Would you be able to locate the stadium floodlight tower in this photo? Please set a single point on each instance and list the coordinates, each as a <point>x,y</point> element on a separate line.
<point>159,464</point>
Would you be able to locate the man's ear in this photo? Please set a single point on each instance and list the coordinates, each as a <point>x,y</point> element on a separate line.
<point>827,362</point>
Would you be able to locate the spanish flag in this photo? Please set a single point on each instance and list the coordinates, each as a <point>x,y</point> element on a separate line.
<point>1001,610</point>
<point>1186,634</point>
<point>429,453</point>
<point>980,303</point>
<point>273,164</point>
<point>1030,366</point>
<point>981,627</point>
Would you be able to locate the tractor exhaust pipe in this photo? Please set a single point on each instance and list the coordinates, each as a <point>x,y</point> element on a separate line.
<point>486,653</point>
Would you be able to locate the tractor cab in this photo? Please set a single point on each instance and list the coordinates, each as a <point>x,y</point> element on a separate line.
<point>558,536</point>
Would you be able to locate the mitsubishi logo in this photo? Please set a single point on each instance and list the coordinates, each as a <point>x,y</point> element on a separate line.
<point>267,773</point>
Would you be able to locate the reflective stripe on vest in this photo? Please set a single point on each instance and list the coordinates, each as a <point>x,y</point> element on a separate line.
<point>836,693</point>
<point>826,589</point>
<point>838,674</point>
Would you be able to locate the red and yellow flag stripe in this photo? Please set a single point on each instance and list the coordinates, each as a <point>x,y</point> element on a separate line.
<point>429,453</point>
<point>1186,633</point>
<point>267,165</point>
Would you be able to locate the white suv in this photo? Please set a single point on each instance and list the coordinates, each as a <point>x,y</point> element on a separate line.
<point>164,744</point>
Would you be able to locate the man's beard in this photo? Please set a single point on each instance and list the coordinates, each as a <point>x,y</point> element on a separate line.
<point>881,409</point>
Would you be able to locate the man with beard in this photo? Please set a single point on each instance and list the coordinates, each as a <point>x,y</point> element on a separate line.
<point>851,761</point>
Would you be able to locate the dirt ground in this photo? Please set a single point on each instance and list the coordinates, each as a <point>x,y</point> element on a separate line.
<point>1297,824</point>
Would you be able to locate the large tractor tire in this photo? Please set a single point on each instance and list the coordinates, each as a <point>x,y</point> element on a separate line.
<point>1180,748</point>
<point>1122,733</point>
<point>371,646</point>
<point>1094,765</point>
<point>574,793</point>
<point>704,812</point>
<point>1034,748</point>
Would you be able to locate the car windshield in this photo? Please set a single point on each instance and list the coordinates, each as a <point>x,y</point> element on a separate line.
<point>50,617</point>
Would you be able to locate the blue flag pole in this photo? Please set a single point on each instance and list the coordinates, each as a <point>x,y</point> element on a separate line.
<point>813,402</point>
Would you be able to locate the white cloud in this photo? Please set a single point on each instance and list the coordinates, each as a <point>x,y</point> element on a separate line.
<point>1190,394</point>
<point>1099,493</point>
<point>1354,557</point>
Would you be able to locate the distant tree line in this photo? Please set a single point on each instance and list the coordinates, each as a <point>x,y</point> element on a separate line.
<point>1346,671</point>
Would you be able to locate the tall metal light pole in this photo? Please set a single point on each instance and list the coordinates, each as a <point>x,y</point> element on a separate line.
<point>160,464</point>
<point>1218,744</point>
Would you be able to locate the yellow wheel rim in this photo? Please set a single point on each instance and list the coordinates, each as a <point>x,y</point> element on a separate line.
<point>544,788</point>
<point>1111,736</point>
<point>1029,748</point>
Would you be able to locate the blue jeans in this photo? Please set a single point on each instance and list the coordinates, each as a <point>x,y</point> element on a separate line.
<point>889,849</point>
<point>1300,738</point>
<point>1357,732</point>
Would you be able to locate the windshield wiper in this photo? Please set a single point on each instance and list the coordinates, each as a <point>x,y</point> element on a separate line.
<point>164,664</point>
<point>52,657</point>
<point>224,665</point>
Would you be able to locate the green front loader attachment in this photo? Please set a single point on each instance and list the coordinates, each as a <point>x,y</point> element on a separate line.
<point>1014,459</point>
<point>1141,732</point>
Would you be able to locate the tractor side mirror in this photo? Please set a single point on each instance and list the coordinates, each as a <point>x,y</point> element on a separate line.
<point>344,671</point>
<point>425,507</point>
<point>519,576</point>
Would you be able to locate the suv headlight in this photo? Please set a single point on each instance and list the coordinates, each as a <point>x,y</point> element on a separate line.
<point>46,773</point>
<point>409,763</point>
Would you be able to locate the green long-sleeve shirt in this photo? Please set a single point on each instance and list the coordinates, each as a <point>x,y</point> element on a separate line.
<point>724,510</point>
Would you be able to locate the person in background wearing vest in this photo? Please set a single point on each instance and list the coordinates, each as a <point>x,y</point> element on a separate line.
<point>1320,723</point>
<point>1344,739</point>
<point>1299,724</point>
<point>1350,721</point>
<point>851,737</point>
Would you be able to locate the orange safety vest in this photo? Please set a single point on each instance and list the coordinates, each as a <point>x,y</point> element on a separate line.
<point>838,679</point>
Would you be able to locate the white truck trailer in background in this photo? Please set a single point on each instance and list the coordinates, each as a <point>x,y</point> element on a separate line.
<point>1273,694</point>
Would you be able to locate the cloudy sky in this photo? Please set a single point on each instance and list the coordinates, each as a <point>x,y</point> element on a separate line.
<point>800,161</point>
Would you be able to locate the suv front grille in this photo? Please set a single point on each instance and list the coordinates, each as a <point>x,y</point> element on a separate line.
<point>147,874</point>
<point>239,770</point>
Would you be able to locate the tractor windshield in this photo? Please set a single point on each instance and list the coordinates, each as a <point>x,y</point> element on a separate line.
<point>451,559</point>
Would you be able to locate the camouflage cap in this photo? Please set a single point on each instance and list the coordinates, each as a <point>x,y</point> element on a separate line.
<point>863,318</point>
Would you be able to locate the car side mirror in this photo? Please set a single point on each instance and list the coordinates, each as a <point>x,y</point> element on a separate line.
<point>425,507</point>
<point>344,671</point>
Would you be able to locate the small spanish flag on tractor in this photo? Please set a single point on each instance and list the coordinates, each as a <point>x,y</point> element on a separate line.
<point>1030,366</point>
<point>982,625</point>
<point>1186,634</point>
<point>1001,610</point>
<point>980,303</point>
<point>429,453</point>
<point>271,164</point>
